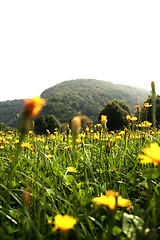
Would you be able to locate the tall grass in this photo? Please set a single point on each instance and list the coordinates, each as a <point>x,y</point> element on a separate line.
<point>41,185</point>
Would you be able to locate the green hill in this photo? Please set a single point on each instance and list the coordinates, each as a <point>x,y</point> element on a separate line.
<point>87,96</point>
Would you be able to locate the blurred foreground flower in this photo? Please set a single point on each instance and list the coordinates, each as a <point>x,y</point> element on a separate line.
<point>111,200</point>
<point>76,125</point>
<point>32,107</point>
<point>64,223</point>
<point>152,154</point>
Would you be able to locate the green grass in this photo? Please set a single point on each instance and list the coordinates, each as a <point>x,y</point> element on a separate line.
<point>41,171</point>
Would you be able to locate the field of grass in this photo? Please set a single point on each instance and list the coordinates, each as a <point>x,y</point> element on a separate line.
<point>42,177</point>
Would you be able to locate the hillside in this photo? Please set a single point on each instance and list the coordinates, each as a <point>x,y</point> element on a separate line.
<point>87,96</point>
<point>64,100</point>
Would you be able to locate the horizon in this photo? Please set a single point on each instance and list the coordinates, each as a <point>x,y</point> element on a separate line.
<point>75,80</point>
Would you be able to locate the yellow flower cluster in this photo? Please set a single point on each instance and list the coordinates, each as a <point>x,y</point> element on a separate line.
<point>112,200</point>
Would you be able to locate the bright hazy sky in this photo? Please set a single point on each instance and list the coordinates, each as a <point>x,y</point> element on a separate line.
<point>43,43</point>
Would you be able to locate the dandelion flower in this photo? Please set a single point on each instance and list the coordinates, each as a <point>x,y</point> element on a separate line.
<point>72,169</point>
<point>64,223</point>
<point>128,117</point>
<point>104,119</point>
<point>152,154</point>
<point>111,200</point>
<point>134,119</point>
<point>33,106</point>
<point>147,105</point>
<point>145,124</point>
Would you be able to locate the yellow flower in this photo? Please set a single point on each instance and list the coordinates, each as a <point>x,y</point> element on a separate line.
<point>111,200</point>
<point>49,156</point>
<point>104,119</point>
<point>152,154</point>
<point>145,124</point>
<point>147,105</point>
<point>134,119</point>
<point>128,117</point>
<point>78,140</point>
<point>121,202</point>
<point>96,136</point>
<point>26,145</point>
<point>33,106</point>
<point>72,169</point>
<point>64,223</point>
<point>87,129</point>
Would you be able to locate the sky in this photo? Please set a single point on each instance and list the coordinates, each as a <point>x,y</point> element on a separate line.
<point>43,43</point>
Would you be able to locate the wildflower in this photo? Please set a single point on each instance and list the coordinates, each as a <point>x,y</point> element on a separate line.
<point>133,119</point>
<point>48,132</point>
<point>78,140</point>
<point>128,117</point>
<point>72,169</point>
<point>145,124</point>
<point>87,129</point>
<point>137,107</point>
<point>147,105</point>
<point>64,223</point>
<point>152,154</point>
<point>26,145</point>
<point>111,200</point>
<point>96,136</point>
<point>50,156</point>
<point>104,119</point>
<point>33,106</point>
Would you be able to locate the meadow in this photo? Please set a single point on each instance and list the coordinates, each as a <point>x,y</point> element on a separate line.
<point>80,184</point>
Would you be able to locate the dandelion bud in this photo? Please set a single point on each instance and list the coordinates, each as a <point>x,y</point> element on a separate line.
<point>26,196</point>
<point>32,107</point>
<point>153,86</point>
<point>76,125</point>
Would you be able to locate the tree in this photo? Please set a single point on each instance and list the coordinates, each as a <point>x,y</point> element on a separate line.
<point>146,113</point>
<point>52,123</point>
<point>40,125</point>
<point>116,112</point>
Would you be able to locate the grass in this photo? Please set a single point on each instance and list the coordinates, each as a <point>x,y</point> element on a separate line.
<point>40,186</point>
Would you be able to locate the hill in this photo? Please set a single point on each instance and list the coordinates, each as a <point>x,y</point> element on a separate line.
<point>87,96</point>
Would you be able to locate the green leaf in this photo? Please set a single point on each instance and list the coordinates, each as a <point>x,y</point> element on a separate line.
<point>116,230</point>
<point>151,173</point>
<point>131,224</point>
